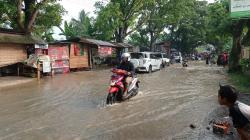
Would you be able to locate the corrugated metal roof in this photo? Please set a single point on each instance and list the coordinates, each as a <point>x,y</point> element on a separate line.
<point>123,45</point>
<point>20,39</point>
<point>97,42</point>
<point>88,41</point>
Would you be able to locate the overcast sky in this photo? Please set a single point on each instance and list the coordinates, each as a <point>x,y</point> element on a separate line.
<point>73,7</point>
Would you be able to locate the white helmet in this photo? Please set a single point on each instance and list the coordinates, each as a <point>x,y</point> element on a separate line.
<point>126,55</point>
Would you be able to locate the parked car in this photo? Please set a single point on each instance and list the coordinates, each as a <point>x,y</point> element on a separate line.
<point>164,59</point>
<point>177,57</point>
<point>146,61</point>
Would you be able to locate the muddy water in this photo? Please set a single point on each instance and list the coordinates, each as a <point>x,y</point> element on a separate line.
<point>71,107</point>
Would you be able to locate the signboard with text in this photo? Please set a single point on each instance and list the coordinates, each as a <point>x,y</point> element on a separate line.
<point>240,8</point>
<point>105,51</point>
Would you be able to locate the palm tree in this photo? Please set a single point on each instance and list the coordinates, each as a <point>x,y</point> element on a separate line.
<point>77,27</point>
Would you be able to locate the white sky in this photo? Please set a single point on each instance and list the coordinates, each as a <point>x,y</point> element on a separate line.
<point>73,7</point>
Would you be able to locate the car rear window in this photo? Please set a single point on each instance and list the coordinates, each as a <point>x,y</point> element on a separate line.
<point>175,54</point>
<point>137,55</point>
<point>158,55</point>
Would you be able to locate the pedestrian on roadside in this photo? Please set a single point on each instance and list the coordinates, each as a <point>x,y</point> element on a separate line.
<point>225,59</point>
<point>238,111</point>
<point>207,58</point>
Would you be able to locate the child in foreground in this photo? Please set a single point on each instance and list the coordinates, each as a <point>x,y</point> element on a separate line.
<point>239,112</point>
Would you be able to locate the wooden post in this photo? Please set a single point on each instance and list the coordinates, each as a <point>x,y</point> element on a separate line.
<point>90,57</point>
<point>52,70</point>
<point>18,70</point>
<point>38,71</point>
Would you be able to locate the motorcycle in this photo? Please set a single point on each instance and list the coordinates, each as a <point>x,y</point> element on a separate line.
<point>184,63</point>
<point>117,87</point>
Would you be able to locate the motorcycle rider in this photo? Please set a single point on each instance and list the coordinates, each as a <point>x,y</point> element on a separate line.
<point>129,67</point>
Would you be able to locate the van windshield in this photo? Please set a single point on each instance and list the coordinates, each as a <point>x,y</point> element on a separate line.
<point>158,55</point>
<point>165,56</point>
<point>175,54</point>
<point>137,55</point>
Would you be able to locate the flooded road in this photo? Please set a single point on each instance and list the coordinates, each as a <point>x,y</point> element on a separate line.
<point>71,107</point>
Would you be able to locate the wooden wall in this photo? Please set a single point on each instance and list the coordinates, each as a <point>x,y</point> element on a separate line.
<point>12,53</point>
<point>78,61</point>
<point>245,54</point>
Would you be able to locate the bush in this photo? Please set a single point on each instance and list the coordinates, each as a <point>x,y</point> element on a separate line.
<point>245,65</point>
<point>241,81</point>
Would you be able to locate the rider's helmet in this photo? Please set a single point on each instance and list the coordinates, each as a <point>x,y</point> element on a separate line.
<point>126,57</point>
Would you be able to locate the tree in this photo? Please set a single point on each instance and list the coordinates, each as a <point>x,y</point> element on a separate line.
<point>80,27</point>
<point>190,31</point>
<point>218,26</point>
<point>43,24</point>
<point>31,15</point>
<point>157,13</point>
<point>163,15</point>
<point>241,37</point>
<point>224,27</point>
<point>119,18</point>
<point>140,39</point>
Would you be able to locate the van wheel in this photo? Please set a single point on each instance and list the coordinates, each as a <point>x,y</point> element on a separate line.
<point>150,69</point>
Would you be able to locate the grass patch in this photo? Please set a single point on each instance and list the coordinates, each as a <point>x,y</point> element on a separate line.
<point>241,81</point>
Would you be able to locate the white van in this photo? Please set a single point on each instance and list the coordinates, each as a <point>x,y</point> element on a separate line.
<point>165,61</point>
<point>146,61</point>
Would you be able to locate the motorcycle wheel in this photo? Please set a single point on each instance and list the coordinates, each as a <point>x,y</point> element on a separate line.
<point>136,91</point>
<point>111,99</point>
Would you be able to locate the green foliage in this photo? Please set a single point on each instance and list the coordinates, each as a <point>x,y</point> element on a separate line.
<point>7,14</point>
<point>119,18</point>
<point>241,81</point>
<point>139,39</point>
<point>190,30</point>
<point>245,65</point>
<point>80,27</point>
<point>223,30</point>
<point>44,24</point>
<point>107,21</point>
<point>161,16</point>
<point>219,24</point>
<point>49,14</point>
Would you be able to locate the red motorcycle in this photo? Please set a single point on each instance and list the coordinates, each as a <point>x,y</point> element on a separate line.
<point>117,87</point>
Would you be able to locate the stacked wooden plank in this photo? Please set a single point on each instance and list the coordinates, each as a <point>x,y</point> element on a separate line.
<point>11,54</point>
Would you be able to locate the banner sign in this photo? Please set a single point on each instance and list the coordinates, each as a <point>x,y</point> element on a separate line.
<point>39,46</point>
<point>58,53</point>
<point>240,8</point>
<point>105,51</point>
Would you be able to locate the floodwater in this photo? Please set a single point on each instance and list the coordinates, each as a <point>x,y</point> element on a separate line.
<point>72,106</point>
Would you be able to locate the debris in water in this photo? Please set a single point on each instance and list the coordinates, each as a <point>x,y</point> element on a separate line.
<point>208,128</point>
<point>192,126</point>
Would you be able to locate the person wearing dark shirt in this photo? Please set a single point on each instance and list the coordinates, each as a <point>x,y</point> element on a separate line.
<point>129,67</point>
<point>239,112</point>
<point>126,64</point>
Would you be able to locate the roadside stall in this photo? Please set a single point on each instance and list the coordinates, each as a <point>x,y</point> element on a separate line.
<point>15,48</point>
<point>80,53</point>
